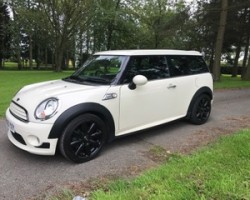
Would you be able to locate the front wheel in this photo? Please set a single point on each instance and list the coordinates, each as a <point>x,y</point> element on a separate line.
<point>83,138</point>
<point>201,109</point>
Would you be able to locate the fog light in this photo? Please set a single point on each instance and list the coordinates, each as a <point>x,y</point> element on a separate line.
<point>33,140</point>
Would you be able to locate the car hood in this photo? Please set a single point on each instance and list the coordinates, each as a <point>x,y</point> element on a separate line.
<point>32,95</point>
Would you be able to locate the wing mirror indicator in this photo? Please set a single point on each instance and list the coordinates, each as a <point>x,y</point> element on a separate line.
<point>138,80</point>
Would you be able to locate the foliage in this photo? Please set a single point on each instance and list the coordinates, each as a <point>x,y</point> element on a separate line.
<point>4,33</point>
<point>54,31</point>
<point>205,19</point>
<point>163,23</point>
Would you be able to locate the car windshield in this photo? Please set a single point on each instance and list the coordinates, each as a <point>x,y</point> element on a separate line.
<point>99,69</point>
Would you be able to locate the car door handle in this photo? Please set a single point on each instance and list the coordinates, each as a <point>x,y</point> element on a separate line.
<point>171,86</point>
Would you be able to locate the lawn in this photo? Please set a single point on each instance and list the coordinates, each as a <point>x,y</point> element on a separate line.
<point>221,171</point>
<point>228,82</point>
<point>218,171</point>
<point>12,81</point>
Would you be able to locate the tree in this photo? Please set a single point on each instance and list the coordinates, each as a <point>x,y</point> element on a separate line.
<point>4,32</point>
<point>64,18</point>
<point>18,44</point>
<point>237,31</point>
<point>113,25</point>
<point>161,23</point>
<point>220,39</point>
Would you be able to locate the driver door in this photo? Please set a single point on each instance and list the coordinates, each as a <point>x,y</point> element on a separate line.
<point>150,104</point>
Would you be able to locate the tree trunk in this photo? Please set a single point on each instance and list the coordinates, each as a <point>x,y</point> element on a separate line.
<point>59,60</point>
<point>109,37</point>
<point>59,52</point>
<point>30,52</point>
<point>46,57</point>
<point>236,61</point>
<point>247,74</point>
<point>220,39</point>
<point>156,34</point>
<point>111,27</point>
<point>53,58</point>
<point>67,61</point>
<point>88,41</point>
<point>244,64</point>
<point>211,61</point>
<point>38,59</point>
<point>1,54</point>
<point>19,63</point>
<point>1,36</point>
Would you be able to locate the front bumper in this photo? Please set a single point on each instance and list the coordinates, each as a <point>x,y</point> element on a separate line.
<point>31,137</point>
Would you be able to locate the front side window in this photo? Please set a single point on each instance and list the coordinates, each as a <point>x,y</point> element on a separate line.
<point>186,65</point>
<point>99,69</point>
<point>152,67</point>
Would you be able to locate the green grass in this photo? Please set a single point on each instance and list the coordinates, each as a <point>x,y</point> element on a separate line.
<point>12,81</point>
<point>228,82</point>
<point>220,171</point>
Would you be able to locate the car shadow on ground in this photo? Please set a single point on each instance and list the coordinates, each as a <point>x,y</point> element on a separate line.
<point>144,137</point>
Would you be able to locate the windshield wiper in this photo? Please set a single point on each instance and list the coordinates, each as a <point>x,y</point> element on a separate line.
<point>97,80</point>
<point>74,79</point>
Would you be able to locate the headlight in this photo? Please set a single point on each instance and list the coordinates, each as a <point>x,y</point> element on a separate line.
<point>46,109</point>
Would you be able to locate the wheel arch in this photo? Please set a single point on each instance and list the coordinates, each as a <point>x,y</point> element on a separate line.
<point>93,108</point>
<point>203,90</point>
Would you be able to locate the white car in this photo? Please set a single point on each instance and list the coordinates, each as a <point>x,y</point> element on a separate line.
<point>112,94</point>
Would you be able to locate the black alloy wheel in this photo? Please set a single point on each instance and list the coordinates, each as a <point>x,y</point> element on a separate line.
<point>201,110</point>
<point>83,138</point>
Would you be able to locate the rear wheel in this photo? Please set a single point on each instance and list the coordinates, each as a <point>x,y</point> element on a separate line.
<point>83,138</point>
<point>201,109</point>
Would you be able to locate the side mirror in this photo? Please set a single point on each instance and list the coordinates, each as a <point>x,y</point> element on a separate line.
<point>138,80</point>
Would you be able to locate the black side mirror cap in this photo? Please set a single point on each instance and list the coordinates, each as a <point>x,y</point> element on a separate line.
<point>132,86</point>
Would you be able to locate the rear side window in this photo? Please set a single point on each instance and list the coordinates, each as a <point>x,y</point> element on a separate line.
<point>186,65</point>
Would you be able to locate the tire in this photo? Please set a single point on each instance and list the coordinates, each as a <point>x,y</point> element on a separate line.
<point>200,110</point>
<point>83,138</point>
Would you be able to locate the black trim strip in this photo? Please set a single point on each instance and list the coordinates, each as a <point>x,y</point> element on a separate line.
<point>19,118</point>
<point>64,119</point>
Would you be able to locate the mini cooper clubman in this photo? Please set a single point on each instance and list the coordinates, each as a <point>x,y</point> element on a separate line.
<point>112,94</point>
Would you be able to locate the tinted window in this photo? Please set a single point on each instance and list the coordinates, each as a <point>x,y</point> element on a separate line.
<point>152,67</point>
<point>186,65</point>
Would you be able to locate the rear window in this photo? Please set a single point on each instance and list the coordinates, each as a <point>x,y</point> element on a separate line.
<point>186,65</point>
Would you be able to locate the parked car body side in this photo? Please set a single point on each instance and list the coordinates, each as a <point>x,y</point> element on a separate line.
<point>114,93</point>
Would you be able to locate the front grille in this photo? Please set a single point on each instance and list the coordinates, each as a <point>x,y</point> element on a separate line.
<point>18,112</point>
